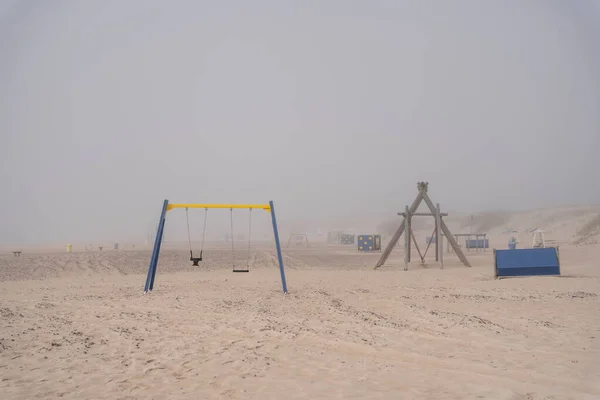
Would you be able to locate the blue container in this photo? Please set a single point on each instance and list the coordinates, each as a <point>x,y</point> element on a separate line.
<point>527,262</point>
<point>369,242</point>
<point>116,246</point>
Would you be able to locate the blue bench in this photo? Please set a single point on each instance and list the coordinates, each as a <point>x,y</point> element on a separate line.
<point>526,262</point>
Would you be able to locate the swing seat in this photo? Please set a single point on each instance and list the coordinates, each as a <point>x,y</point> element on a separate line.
<point>241,270</point>
<point>195,260</point>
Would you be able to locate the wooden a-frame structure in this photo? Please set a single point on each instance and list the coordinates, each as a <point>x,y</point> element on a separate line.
<point>303,236</point>
<point>406,225</point>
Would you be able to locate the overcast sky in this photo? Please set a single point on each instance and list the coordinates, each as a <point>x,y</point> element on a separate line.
<point>330,108</point>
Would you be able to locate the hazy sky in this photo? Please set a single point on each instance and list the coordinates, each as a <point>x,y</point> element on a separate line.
<point>328,107</point>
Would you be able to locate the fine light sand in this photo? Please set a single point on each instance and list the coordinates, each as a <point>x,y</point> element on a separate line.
<point>78,326</point>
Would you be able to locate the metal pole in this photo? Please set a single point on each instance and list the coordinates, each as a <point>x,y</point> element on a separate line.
<point>156,250</point>
<point>278,246</point>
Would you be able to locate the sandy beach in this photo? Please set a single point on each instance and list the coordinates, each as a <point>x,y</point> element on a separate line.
<point>79,326</point>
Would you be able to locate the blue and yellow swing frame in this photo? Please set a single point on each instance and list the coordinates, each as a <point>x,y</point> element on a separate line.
<point>161,226</point>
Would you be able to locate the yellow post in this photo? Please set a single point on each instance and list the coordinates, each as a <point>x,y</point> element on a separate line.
<point>69,247</point>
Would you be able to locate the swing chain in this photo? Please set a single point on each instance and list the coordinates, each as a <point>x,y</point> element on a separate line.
<point>187,219</point>
<point>232,248</point>
<point>195,260</point>
<point>249,237</point>
<point>204,230</point>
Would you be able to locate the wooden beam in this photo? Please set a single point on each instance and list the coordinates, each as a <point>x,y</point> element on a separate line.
<point>437,236</point>
<point>407,240</point>
<point>447,232</point>
<point>439,240</point>
<point>394,240</point>
<point>423,214</point>
<point>414,240</point>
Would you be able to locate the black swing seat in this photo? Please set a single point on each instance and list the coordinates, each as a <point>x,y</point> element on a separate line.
<point>241,270</point>
<point>195,260</point>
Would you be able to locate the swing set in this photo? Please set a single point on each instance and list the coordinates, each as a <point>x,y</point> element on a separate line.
<point>195,260</point>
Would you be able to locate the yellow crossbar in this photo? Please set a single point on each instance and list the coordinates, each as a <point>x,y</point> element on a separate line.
<point>265,207</point>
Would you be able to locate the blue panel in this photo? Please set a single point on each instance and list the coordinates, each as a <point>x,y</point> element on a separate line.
<point>527,262</point>
<point>368,242</point>
<point>528,271</point>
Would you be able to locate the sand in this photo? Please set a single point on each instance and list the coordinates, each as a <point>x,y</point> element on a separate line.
<point>78,326</point>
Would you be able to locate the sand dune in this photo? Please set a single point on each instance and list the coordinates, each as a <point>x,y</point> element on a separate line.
<point>562,225</point>
<point>78,326</point>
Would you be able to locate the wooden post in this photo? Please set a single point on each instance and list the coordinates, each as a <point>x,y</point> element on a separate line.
<point>406,238</point>
<point>439,250</point>
<point>437,234</point>
<point>447,232</point>
<point>395,240</point>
